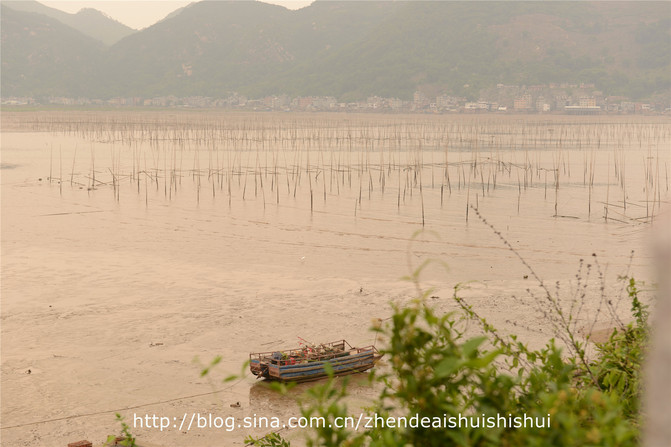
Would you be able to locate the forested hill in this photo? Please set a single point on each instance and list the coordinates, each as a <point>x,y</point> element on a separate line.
<point>349,50</point>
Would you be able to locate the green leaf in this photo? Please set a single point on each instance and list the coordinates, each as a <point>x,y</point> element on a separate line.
<point>230,378</point>
<point>485,360</point>
<point>446,367</point>
<point>470,347</point>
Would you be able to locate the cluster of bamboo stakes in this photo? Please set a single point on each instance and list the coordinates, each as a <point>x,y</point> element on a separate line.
<point>272,158</point>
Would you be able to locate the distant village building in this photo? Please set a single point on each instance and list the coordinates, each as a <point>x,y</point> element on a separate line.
<point>612,108</point>
<point>277,102</point>
<point>197,101</point>
<point>523,103</point>
<point>480,106</point>
<point>563,97</point>
<point>375,102</point>
<point>447,102</point>
<point>443,101</point>
<point>587,101</point>
<point>627,107</point>
<point>420,100</point>
<point>17,101</point>
<point>324,103</point>
<point>586,106</point>
<point>304,102</point>
<point>561,101</point>
<point>254,104</point>
<point>642,108</point>
<point>395,104</point>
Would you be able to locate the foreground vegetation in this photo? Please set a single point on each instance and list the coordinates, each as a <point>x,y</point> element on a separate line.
<point>436,370</point>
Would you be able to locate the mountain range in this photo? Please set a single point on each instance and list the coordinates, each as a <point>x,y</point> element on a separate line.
<point>89,21</point>
<point>346,49</point>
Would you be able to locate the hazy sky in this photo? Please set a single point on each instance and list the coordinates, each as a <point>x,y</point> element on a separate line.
<point>142,13</point>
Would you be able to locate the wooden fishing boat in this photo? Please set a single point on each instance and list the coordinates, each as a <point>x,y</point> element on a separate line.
<point>309,362</point>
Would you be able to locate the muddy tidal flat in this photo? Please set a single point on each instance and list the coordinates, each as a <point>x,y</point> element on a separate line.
<point>134,243</point>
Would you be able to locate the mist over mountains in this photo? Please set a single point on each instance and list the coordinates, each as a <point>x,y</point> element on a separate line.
<point>349,50</point>
<point>89,21</point>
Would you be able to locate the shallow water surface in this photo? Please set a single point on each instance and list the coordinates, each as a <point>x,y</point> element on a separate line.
<point>133,243</point>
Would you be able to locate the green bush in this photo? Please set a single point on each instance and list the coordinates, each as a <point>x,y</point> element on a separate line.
<point>438,372</point>
<point>128,438</point>
<point>618,365</point>
<point>269,440</point>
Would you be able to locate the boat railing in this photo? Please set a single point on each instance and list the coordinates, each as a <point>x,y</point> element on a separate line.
<point>323,351</point>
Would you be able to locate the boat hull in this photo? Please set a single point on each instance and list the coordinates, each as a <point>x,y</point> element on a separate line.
<point>349,362</point>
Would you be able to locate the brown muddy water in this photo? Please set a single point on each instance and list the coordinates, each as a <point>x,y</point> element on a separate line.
<point>133,243</point>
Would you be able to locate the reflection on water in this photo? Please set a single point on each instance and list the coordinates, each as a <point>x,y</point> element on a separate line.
<point>264,396</point>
